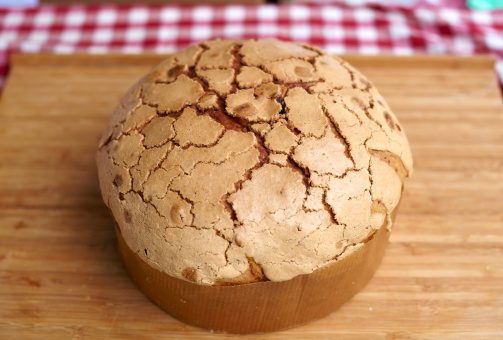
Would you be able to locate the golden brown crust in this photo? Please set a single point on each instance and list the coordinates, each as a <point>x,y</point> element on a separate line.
<point>244,161</point>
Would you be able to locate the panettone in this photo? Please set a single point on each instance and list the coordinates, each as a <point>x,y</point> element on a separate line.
<point>251,163</point>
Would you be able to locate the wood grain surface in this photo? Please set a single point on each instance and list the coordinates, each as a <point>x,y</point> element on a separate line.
<point>60,274</point>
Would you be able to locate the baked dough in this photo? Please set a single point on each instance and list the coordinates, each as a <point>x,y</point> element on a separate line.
<point>242,161</point>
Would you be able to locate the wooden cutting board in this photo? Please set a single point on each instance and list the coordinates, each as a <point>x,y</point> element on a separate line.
<point>60,274</point>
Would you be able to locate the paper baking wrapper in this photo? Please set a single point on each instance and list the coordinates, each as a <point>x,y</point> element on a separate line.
<point>262,306</point>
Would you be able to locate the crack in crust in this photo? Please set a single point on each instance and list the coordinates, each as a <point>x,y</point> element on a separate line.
<point>337,133</point>
<point>223,161</point>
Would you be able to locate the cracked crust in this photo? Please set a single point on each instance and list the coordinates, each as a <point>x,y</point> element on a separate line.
<point>243,161</point>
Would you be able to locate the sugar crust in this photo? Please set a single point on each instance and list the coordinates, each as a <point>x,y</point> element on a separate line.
<point>245,161</point>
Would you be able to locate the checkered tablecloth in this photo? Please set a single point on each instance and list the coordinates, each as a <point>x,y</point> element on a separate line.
<point>338,29</point>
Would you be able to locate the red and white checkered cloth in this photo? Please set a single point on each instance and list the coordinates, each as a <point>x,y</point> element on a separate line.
<point>336,28</point>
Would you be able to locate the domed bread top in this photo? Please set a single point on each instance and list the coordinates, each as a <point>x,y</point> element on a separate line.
<point>244,161</point>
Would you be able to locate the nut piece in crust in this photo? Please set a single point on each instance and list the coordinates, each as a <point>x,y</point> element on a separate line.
<point>245,105</point>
